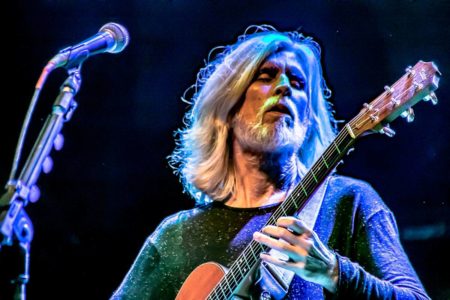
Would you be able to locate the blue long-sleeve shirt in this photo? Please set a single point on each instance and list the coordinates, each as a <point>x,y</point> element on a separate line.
<point>353,221</point>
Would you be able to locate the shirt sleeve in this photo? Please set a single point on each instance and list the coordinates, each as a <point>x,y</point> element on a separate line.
<point>150,276</point>
<point>383,270</point>
<point>140,279</point>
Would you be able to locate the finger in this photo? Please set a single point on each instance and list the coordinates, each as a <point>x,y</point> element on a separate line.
<point>308,239</point>
<point>286,235</point>
<point>281,233</point>
<point>289,265</point>
<point>295,225</point>
<point>277,244</point>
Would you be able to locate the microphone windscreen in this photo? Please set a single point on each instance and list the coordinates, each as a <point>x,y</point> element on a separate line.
<point>120,35</point>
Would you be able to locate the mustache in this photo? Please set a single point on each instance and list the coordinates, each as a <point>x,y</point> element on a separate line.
<point>281,106</point>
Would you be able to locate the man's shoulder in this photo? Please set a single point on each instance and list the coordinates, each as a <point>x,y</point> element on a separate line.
<point>181,217</point>
<point>356,193</point>
<point>174,224</point>
<point>349,184</point>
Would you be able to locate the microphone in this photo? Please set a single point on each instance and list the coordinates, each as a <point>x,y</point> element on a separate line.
<point>111,38</point>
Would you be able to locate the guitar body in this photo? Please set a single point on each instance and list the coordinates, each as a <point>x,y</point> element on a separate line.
<point>201,281</point>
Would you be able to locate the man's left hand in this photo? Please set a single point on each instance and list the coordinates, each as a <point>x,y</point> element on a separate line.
<point>307,256</point>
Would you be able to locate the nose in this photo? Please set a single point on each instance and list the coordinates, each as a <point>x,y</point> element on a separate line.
<point>283,86</point>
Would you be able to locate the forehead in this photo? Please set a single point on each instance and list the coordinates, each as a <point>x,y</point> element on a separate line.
<point>285,59</point>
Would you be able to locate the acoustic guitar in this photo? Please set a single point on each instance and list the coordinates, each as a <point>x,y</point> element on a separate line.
<point>213,281</point>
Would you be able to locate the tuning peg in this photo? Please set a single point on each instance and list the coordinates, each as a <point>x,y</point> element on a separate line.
<point>409,70</point>
<point>417,85</point>
<point>395,102</point>
<point>408,115</point>
<point>47,165</point>
<point>34,194</point>
<point>59,142</point>
<point>389,89</point>
<point>387,130</point>
<point>431,97</point>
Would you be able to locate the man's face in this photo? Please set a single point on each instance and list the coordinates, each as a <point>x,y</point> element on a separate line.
<point>274,114</point>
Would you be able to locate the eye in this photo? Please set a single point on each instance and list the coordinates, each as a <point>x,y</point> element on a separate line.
<point>266,74</point>
<point>264,77</point>
<point>298,83</point>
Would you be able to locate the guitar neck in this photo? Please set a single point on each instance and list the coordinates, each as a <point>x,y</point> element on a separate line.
<point>296,200</point>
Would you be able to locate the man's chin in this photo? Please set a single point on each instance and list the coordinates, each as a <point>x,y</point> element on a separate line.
<point>277,134</point>
<point>275,118</point>
<point>271,143</point>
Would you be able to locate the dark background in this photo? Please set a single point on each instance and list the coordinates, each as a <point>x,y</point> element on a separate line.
<point>111,184</point>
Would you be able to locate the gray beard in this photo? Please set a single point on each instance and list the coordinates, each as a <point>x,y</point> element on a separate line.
<point>269,138</point>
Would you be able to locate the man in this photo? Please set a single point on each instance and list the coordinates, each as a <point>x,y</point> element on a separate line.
<point>259,121</point>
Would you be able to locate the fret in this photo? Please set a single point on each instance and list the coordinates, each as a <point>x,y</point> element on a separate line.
<point>224,292</point>
<point>318,166</point>
<point>324,161</point>
<point>350,130</point>
<point>303,188</point>
<point>261,247</point>
<point>314,175</point>
<point>219,288</point>
<point>240,271</point>
<point>284,211</point>
<point>255,252</point>
<point>230,289</point>
<point>243,263</point>
<point>231,274</point>
<point>246,262</point>
<point>252,251</point>
<point>272,220</point>
<point>296,205</point>
<point>337,148</point>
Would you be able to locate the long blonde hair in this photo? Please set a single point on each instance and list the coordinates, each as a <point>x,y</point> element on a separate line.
<point>201,157</point>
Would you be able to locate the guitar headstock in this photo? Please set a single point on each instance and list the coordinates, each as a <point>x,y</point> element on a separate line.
<point>419,83</point>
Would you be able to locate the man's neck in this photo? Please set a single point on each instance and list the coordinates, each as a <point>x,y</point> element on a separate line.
<point>261,178</point>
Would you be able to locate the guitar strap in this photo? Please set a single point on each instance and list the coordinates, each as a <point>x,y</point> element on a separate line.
<point>276,280</point>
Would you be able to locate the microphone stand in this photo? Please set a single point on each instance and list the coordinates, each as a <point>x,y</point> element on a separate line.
<point>16,226</point>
